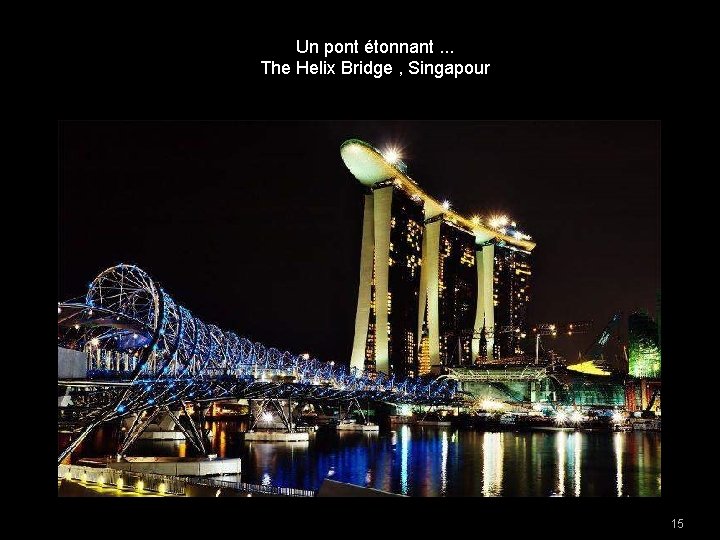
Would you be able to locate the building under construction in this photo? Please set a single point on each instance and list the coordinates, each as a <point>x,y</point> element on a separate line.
<point>604,376</point>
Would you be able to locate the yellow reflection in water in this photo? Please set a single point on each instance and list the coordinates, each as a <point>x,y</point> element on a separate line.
<point>221,449</point>
<point>492,464</point>
<point>618,443</point>
<point>577,447</point>
<point>561,443</point>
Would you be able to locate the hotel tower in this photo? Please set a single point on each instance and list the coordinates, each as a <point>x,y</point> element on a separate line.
<point>436,288</point>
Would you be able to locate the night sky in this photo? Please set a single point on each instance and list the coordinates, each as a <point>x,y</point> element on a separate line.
<point>256,226</point>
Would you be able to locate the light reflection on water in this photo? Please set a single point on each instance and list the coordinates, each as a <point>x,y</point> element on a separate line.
<point>618,463</point>
<point>560,444</point>
<point>493,451</point>
<point>577,461</point>
<point>437,461</point>
<point>405,452</point>
<point>443,463</point>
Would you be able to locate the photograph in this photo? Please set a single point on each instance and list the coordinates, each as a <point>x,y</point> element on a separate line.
<point>407,308</point>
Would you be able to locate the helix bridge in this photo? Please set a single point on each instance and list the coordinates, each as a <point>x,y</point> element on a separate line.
<point>146,354</point>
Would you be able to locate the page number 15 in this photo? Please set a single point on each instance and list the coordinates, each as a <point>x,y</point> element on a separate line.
<point>678,523</point>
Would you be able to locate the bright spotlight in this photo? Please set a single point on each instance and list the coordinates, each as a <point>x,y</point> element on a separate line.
<point>446,204</point>
<point>476,220</point>
<point>392,155</point>
<point>94,342</point>
<point>576,417</point>
<point>560,417</point>
<point>618,417</point>
<point>492,405</point>
<point>499,221</point>
<point>267,416</point>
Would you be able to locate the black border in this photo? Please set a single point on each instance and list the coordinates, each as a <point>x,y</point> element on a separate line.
<point>582,79</point>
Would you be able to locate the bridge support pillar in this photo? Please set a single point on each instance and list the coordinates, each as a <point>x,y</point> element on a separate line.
<point>267,412</point>
<point>345,414</point>
<point>139,424</point>
<point>69,449</point>
<point>193,432</point>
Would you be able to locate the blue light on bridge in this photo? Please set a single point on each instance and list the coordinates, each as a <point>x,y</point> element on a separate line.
<point>202,356</point>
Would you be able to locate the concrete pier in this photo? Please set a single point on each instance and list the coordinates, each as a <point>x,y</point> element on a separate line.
<point>159,435</point>
<point>171,466</point>
<point>275,436</point>
<point>434,423</point>
<point>343,426</point>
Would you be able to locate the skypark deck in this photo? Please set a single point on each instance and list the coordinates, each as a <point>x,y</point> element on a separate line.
<point>370,167</point>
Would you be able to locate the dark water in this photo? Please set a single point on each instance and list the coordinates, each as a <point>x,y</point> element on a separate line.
<point>439,461</point>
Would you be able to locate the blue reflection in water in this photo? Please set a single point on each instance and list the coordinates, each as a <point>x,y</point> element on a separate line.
<point>404,452</point>
<point>424,463</point>
<point>443,464</point>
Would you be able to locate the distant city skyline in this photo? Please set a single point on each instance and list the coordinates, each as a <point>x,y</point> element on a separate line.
<point>259,225</point>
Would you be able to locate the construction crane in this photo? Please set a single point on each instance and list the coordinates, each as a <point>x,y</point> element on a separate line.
<point>483,333</point>
<point>555,328</point>
<point>541,329</point>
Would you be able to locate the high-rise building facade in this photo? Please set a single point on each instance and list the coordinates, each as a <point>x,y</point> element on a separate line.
<point>643,346</point>
<point>390,265</point>
<point>431,281</point>
<point>457,293</point>
<point>511,294</point>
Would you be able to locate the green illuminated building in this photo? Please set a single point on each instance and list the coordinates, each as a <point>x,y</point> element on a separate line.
<point>643,346</point>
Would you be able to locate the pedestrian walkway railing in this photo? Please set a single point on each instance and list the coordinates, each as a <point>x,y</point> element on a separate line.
<point>150,483</point>
<point>250,488</point>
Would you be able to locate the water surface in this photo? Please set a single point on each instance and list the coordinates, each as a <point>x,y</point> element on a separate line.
<point>427,461</point>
